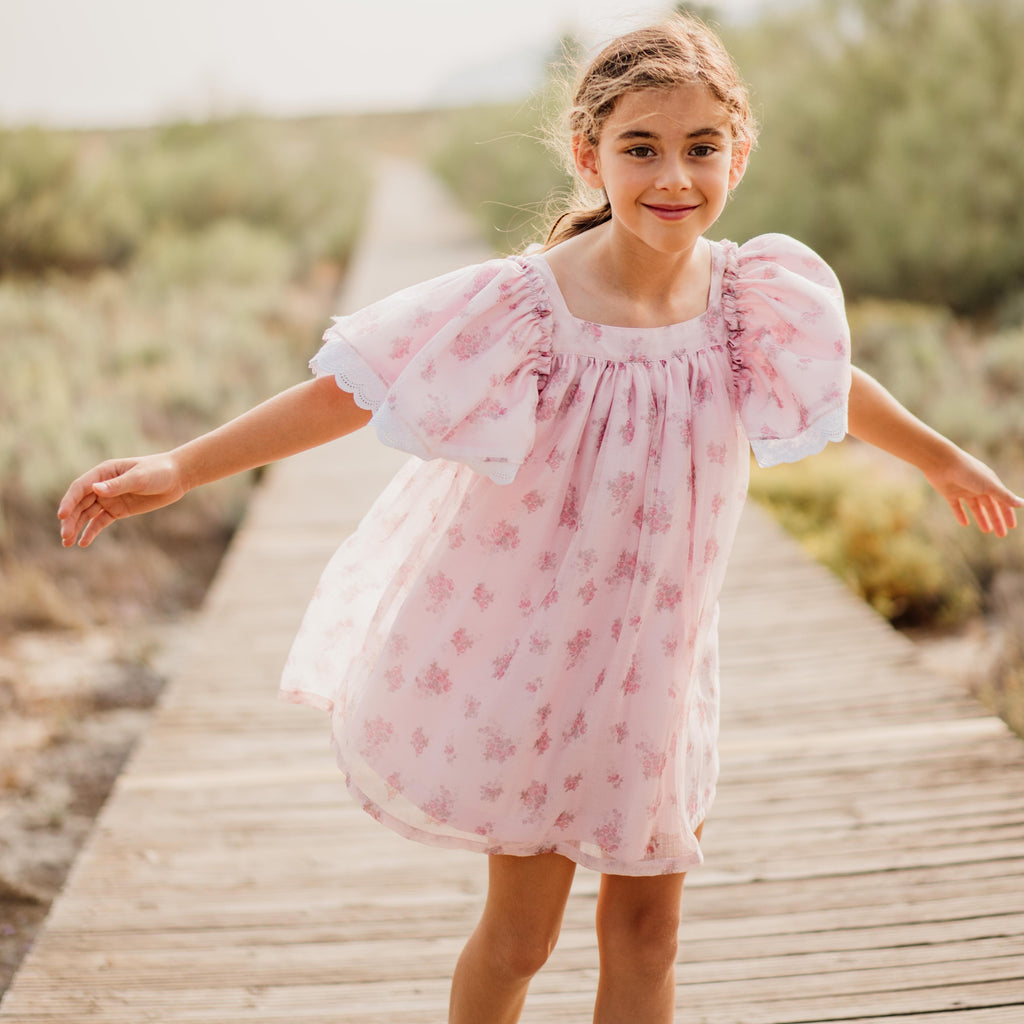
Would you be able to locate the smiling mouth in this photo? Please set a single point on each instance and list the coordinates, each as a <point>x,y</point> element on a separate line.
<point>670,212</point>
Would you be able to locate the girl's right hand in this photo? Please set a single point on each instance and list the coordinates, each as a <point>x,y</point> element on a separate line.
<point>114,490</point>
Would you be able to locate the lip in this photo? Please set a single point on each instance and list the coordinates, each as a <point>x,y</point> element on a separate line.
<point>669,212</point>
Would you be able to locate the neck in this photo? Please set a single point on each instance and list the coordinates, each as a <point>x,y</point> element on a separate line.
<point>658,286</point>
<point>649,276</point>
<point>607,282</point>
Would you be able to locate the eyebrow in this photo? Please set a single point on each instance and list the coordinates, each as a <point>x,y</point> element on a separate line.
<point>641,133</point>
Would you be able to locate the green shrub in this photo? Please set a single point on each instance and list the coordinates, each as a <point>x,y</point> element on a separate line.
<point>871,531</point>
<point>966,383</point>
<point>63,203</point>
<point>890,144</point>
<point>1002,363</point>
<point>80,202</point>
<point>229,250</point>
<point>96,367</point>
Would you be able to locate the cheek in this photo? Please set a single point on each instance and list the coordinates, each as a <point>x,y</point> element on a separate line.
<point>720,180</point>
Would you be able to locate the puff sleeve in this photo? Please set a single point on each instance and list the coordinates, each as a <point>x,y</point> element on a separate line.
<point>451,367</point>
<point>790,347</point>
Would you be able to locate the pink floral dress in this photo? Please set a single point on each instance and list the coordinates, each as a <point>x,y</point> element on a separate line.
<point>519,644</point>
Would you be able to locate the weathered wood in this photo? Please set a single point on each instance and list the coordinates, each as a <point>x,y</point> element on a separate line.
<point>865,858</point>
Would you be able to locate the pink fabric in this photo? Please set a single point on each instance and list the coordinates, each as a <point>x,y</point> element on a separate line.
<point>519,644</point>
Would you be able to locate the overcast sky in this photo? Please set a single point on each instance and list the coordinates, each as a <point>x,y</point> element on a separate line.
<point>97,63</point>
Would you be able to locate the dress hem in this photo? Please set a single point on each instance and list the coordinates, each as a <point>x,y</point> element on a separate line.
<point>569,850</point>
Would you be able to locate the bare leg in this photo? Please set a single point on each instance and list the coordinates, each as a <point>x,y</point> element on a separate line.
<point>526,899</point>
<point>638,939</point>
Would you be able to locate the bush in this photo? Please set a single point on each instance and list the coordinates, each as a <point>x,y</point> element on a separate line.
<point>903,173</point>
<point>152,284</point>
<point>79,203</point>
<point>872,532</point>
<point>229,250</point>
<point>63,204</point>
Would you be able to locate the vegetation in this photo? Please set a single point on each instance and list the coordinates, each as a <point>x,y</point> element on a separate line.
<point>79,203</point>
<point>875,531</point>
<point>915,177</point>
<point>151,284</point>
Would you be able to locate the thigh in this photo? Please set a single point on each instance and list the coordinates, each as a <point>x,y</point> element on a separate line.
<point>528,894</point>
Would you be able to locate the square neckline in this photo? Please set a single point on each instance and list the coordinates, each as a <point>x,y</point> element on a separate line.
<point>537,261</point>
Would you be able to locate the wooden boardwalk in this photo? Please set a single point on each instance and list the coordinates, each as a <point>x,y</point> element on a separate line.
<point>865,856</point>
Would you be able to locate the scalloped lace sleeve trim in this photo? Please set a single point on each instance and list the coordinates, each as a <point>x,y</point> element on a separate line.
<point>350,371</point>
<point>353,375</point>
<point>772,451</point>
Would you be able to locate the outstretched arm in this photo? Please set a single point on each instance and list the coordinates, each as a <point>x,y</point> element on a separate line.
<point>966,483</point>
<point>302,417</point>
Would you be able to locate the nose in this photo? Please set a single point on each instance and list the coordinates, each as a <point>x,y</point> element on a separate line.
<point>673,174</point>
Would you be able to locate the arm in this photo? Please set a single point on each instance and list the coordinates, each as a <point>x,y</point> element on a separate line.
<point>302,417</point>
<point>876,417</point>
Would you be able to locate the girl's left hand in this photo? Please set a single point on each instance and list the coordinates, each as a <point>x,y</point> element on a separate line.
<point>968,485</point>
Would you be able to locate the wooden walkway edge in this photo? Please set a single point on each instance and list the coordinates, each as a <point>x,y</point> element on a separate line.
<point>865,858</point>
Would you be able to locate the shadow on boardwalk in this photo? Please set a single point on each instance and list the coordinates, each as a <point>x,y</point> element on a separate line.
<point>865,857</point>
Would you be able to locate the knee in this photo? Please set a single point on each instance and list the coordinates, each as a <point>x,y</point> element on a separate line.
<point>517,954</point>
<point>644,942</point>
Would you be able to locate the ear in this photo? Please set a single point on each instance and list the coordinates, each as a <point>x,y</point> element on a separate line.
<point>588,167</point>
<point>738,165</point>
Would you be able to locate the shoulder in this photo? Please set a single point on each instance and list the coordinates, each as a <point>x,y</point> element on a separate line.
<point>767,257</point>
<point>495,288</point>
<point>501,277</point>
<point>775,287</point>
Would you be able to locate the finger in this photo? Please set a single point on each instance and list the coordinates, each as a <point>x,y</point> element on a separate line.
<point>995,517</point>
<point>123,483</point>
<point>981,516</point>
<point>94,528</point>
<point>958,511</point>
<point>1003,516</point>
<point>81,488</point>
<point>68,532</point>
<point>73,519</point>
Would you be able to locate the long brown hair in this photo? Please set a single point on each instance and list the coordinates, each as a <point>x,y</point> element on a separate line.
<point>678,51</point>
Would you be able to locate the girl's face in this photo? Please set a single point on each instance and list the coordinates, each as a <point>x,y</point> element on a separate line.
<point>666,160</point>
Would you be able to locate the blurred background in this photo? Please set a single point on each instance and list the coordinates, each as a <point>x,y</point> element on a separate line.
<point>181,188</point>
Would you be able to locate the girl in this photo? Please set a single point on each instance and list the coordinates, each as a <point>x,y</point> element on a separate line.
<point>518,646</point>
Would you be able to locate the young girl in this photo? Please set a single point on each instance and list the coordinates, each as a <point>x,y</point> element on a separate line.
<point>518,646</point>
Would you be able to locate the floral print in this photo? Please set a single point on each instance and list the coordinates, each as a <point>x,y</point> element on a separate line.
<point>519,644</point>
